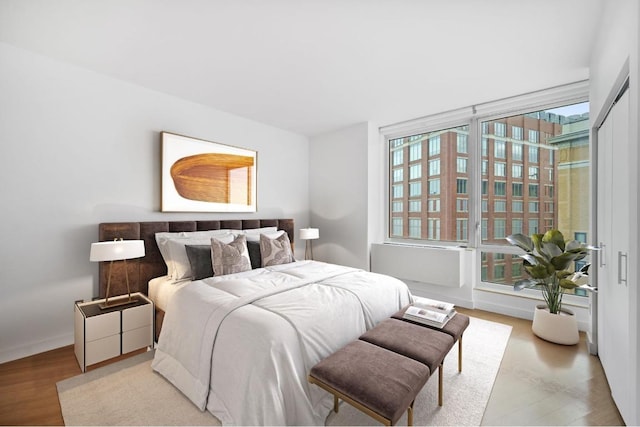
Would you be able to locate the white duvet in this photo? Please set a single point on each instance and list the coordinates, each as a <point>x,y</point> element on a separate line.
<point>242,345</point>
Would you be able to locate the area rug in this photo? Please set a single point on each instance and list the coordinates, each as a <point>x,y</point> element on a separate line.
<point>130,393</point>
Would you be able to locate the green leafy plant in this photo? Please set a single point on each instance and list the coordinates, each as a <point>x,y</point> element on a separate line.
<point>548,259</point>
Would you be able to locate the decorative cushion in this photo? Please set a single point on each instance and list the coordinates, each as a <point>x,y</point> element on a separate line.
<point>200,261</point>
<point>230,258</point>
<point>275,251</point>
<point>190,237</point>
<point>254,254</point>
<point>181,264</point>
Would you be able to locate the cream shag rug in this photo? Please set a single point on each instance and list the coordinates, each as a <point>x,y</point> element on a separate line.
<point>130,393</point>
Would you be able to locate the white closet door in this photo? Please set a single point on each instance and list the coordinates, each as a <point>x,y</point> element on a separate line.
<point>613,232</point>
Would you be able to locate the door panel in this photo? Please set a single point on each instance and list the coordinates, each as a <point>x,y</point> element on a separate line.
<point>613,221</point>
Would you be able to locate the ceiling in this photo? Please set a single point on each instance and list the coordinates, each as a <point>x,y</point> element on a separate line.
<point>313,66</point>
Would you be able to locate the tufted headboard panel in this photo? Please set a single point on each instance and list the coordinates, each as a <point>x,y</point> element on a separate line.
<point>152,265</point>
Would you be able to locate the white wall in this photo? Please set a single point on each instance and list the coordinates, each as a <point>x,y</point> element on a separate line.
<point>338,191</point>
<point>617,42</point>
<point>79,148</point>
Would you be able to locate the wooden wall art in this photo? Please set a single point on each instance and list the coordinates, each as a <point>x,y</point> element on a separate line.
<point>204,176</point>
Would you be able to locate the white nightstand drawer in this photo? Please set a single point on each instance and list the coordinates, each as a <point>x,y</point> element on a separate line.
<point>137,317</point>
<point>136,338</point>
<point>98,327</point>
<point>102,349</point>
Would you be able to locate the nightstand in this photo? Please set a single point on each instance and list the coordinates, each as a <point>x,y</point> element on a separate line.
<point>102,334</point>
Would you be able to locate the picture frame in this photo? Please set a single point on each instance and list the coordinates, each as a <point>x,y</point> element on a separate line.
<point>206,176</point>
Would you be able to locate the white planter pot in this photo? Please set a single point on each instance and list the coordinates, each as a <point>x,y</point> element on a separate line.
<point>558,328</point>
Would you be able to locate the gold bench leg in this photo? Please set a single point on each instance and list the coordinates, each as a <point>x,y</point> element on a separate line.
<point>410,415</point>
<point>460,354</point>
<point>440,375</point>
<point>335,403</point>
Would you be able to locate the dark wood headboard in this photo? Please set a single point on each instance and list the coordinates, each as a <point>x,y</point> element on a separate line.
<point>152,265</point>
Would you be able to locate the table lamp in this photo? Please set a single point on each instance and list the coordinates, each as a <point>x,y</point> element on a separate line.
<point>116,250</point>
<point>309,234</point>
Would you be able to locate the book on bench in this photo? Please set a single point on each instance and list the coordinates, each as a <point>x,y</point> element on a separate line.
<point>430,312</point>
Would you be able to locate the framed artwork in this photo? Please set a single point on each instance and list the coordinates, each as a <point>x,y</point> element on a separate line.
<point>204,176</point>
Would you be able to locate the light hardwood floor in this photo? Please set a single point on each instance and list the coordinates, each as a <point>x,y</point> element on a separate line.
<point>538,383</point>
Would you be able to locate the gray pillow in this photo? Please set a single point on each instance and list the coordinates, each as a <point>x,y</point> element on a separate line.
<point>230,258</point>
<point>200,261</point>
<point>254,254</point>
<point>275,251</point>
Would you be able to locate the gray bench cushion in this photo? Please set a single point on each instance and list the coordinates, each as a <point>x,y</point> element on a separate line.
<point>381,380</point>
<point>424,345</point>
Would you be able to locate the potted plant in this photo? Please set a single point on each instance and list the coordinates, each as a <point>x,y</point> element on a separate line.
<point>548,260</point>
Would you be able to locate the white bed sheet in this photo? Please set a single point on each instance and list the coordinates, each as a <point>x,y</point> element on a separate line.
<point>242,345</point>
<point>161,289</point>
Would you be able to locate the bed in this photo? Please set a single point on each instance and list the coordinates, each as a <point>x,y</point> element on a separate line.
<point>240,345</point>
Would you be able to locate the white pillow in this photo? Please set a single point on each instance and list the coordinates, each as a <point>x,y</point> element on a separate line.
<point>255,237</point>
<point>179,258</point>
<point>162,239</point>
<point>257,231</point>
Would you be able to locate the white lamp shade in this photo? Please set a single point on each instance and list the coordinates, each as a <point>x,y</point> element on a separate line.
<point>116,250</point>
<point>309,233</point>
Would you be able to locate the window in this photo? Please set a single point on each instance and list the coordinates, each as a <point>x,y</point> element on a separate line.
<point>396,229</point>
<point>415,228</point>
<point>516,151</point>
<point>397,157</point>
<point>434,186</point>
<point>500,149</point>
<point>516,171</point>
<point>518,160</point>
<point>415,205</point>
<point>517,206</point>
<point>461,165</point>
<point>461,186</point>
<point>461,230</point>
<point>462,143</point>
<point>499,228</point>
<point>516,189</point>
<point>415,151</point>
<point>434,167</point>
<point>533,154</point>
<point>516,226</point>
<point>415,189</point>
<point>434,146</point>
<point>434,229</point>
<point>415,171</point>
<point>516,133</point>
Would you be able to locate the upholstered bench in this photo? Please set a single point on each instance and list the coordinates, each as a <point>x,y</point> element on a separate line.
<point>379,382</point>
<point>425,345</point>
<point>455,327</point>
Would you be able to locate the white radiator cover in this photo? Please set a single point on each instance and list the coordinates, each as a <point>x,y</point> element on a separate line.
<point>431,265</point>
